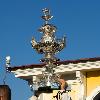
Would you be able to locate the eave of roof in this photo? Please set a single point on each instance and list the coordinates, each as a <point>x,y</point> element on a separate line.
<point>66,62</point>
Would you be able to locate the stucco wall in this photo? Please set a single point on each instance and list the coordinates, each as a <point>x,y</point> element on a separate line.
<point>92,80</point>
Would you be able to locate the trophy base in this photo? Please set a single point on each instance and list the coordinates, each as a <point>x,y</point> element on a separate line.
<point>47,89</point>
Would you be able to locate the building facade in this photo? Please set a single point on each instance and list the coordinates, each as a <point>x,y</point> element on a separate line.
<point>82,76</point>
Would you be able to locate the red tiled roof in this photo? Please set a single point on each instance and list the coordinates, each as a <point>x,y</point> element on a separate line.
<point>26,67</point>
<point>82,60</point>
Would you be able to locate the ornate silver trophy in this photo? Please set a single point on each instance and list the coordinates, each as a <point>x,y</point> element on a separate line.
<point>49,45</point>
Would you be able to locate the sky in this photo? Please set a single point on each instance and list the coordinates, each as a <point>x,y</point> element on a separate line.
<point>20,20</point>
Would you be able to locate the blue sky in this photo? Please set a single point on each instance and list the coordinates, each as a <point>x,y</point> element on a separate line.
<point>19,21</point>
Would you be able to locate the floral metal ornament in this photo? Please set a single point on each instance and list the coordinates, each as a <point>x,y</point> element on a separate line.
<point>49,45</point>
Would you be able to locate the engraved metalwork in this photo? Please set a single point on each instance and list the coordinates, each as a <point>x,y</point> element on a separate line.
<point>49,45</point>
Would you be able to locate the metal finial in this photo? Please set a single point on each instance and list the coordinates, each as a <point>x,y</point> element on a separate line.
<point>46,11</point>
<point>47,15</point>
